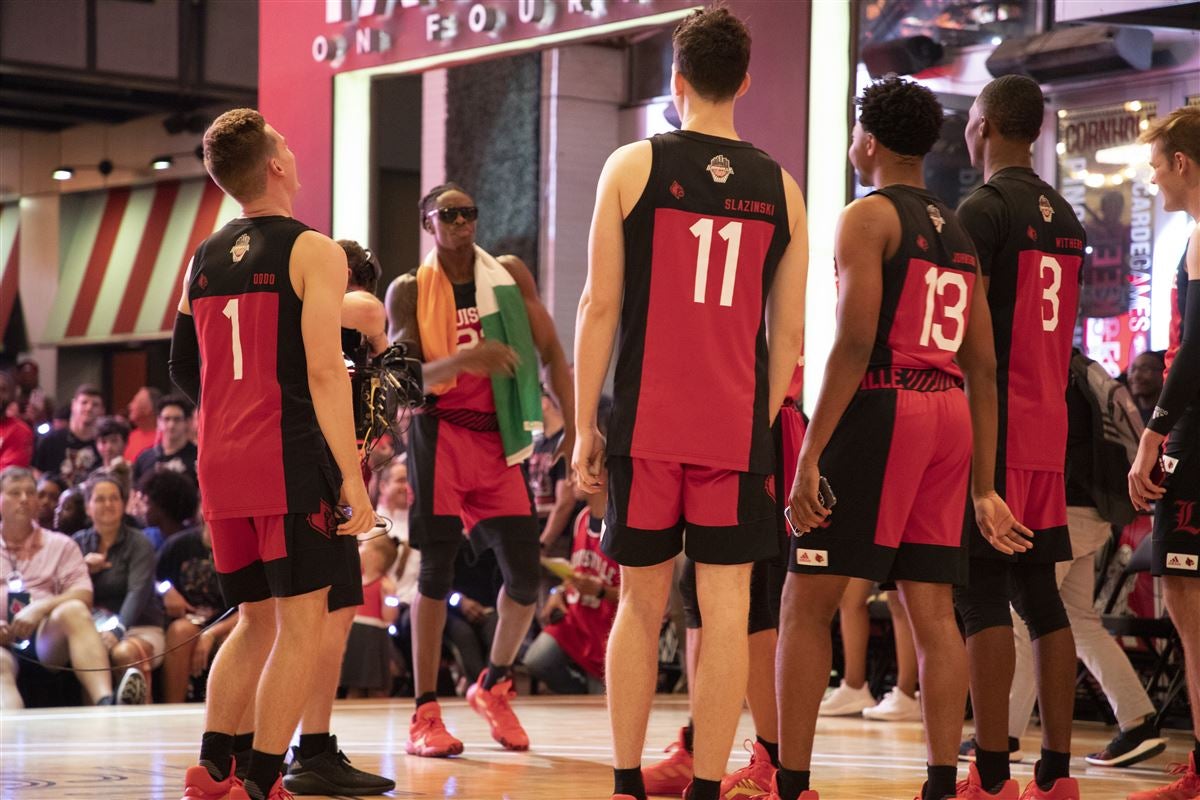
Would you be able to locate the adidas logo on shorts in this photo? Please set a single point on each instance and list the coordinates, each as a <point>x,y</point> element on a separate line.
<point>812,558</point>
<point>1182,561</point>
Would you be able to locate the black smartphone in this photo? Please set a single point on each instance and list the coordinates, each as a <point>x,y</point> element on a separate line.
<point>16,602</point>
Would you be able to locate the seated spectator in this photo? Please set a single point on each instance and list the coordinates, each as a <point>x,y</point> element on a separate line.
<point>33,405</point>
<point>1145,379</point>
<point>121,561</point>
<point>367,664</point>
<point>47,596</point>
<point>143,422</point>
<point>168,504</point>
<point>112,435</point>
<point>568,655</point>
<point>175,449</point>
<point>192,600</point>
<point>16,437</point>
<point>70,515</point>
<point>70,452</point>
<point>49,489</point>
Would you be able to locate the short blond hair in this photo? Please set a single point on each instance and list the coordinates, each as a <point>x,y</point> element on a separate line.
<point>1178,131</point>
<point>236,149</point>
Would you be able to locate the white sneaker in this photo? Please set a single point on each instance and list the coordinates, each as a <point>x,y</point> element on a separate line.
<point>132,690</point>
<point>896,706</point>
<point>844,701</point>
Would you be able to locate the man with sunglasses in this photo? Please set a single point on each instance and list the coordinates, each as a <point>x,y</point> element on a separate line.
<point>458,470</point>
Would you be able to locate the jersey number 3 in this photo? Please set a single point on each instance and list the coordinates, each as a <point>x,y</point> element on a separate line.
<point>1050,293</point>
<point>732,234</point>
<point>231,311</point>
<point>936,295</point>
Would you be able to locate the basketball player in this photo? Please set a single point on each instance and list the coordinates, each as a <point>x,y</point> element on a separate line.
<point>256,342</point>
<point>317,765</point>
<point>1175,157</point>
<point>458,469</point>
<point>695,233</point>
<point>892,432</point>
<point>1030,248</point>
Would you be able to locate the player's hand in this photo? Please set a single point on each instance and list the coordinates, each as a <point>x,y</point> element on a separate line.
<point>999,526</point>
<point>567,446</point>
<point>96,562</point>
<point>588,460</point>
<point>489,357</point>
<point>204,647</point>
<point>807,511</point>
<point>362,515</point>
<point>1142,488</point>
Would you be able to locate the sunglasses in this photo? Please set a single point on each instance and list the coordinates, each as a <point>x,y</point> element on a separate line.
<point>447,215</point>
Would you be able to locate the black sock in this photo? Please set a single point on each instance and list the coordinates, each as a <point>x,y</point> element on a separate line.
<point>941,781</point>
<point>791,782</point>
<point>704,790</point>
<point>1196,752</point>
<point>1014,744</point>
<point>242,742</point>
<point>313,744</point>
<point>688,733</point>
<point>216,754</point>
<point>496,673</point>
<point>1052,767</point>
<point>265,769</point>
<point>772,749</point>
<point>427,697</point>
<point>629,781</point>
<point>993,767</point>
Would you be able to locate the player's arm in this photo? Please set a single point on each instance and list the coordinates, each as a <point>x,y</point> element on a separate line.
<point>785,305</point>
<point>977,359</point>
<point>984,215</point>
<point>1180,389</point>
<point>184,363</point>
<point>621,183</point>
<point>550,350</point>
<point>318,269</point>
<point>363,312</point>
<point>868,230</point>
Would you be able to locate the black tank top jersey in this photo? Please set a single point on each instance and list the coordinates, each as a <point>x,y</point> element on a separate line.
<point>261,451</point>
<point>927,289</point>
<point>702,245</point>
<point>1031,247</point>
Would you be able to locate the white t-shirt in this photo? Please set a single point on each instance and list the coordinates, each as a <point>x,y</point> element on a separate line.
<point>408,564</point>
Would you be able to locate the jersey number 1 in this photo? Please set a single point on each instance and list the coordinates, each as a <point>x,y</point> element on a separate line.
<point>231,311</point>
<point>731,233</point>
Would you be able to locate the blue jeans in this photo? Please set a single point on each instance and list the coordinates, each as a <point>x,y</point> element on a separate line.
<point>548,663</point>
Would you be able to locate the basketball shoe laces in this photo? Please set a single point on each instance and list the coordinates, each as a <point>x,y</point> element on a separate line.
<point>1190,782</point>
<point>498,706</point>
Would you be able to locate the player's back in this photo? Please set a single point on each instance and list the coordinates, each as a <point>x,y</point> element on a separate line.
<point>1033,272</point>
<point>926,302</point>
<point>702,246</point>
<point>261,451</point>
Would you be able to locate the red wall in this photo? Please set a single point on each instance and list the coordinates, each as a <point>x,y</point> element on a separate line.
<point>296,92</point>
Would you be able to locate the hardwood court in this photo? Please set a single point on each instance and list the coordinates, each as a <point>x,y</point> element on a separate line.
<point>140,753</point>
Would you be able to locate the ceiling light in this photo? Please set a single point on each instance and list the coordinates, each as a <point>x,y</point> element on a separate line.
<point>63,174</point>
<point>161,162</point>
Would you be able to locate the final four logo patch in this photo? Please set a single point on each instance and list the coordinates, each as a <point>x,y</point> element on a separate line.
<point>241,246</point>
<point>720,169</point>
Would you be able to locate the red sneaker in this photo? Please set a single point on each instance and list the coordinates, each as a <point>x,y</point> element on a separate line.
<point>1063,789</point>
<point>492,705</point>
<point>277,792</point>
<point>1186,788</point>
<point>972,789</point>
<point>199,784</point>
<point>673,774</point>
<point>427,735</point>
<point>752,780</point>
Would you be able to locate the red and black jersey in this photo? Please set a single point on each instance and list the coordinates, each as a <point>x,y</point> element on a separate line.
<point>927,287</point>
<point>583,632</point>
<point>261,451</point>
<point>701,249</point>
<point>1030,247</point>
<point>1178,307</point>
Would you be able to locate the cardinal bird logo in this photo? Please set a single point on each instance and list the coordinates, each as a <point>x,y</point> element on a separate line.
<point>676,190</point>
<point>1185,517</point>
<point>324,520</point>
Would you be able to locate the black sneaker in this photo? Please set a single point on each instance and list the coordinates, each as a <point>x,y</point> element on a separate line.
<point>966,750</point>
<point>331,773</point>
<point>1129,747</point>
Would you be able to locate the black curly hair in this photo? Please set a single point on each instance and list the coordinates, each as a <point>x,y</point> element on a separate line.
<point>712,50</point>
<point>174,493</point>
<point>364,266</point>
<point>1014,104</point>
<point>429,201</point>
<point>904,116</point>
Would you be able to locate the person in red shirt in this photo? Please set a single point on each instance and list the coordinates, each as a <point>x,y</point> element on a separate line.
<point>16,438</point>
<point>143,420</point>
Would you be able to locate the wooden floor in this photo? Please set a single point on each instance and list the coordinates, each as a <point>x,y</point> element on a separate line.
<point>140,753</point>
